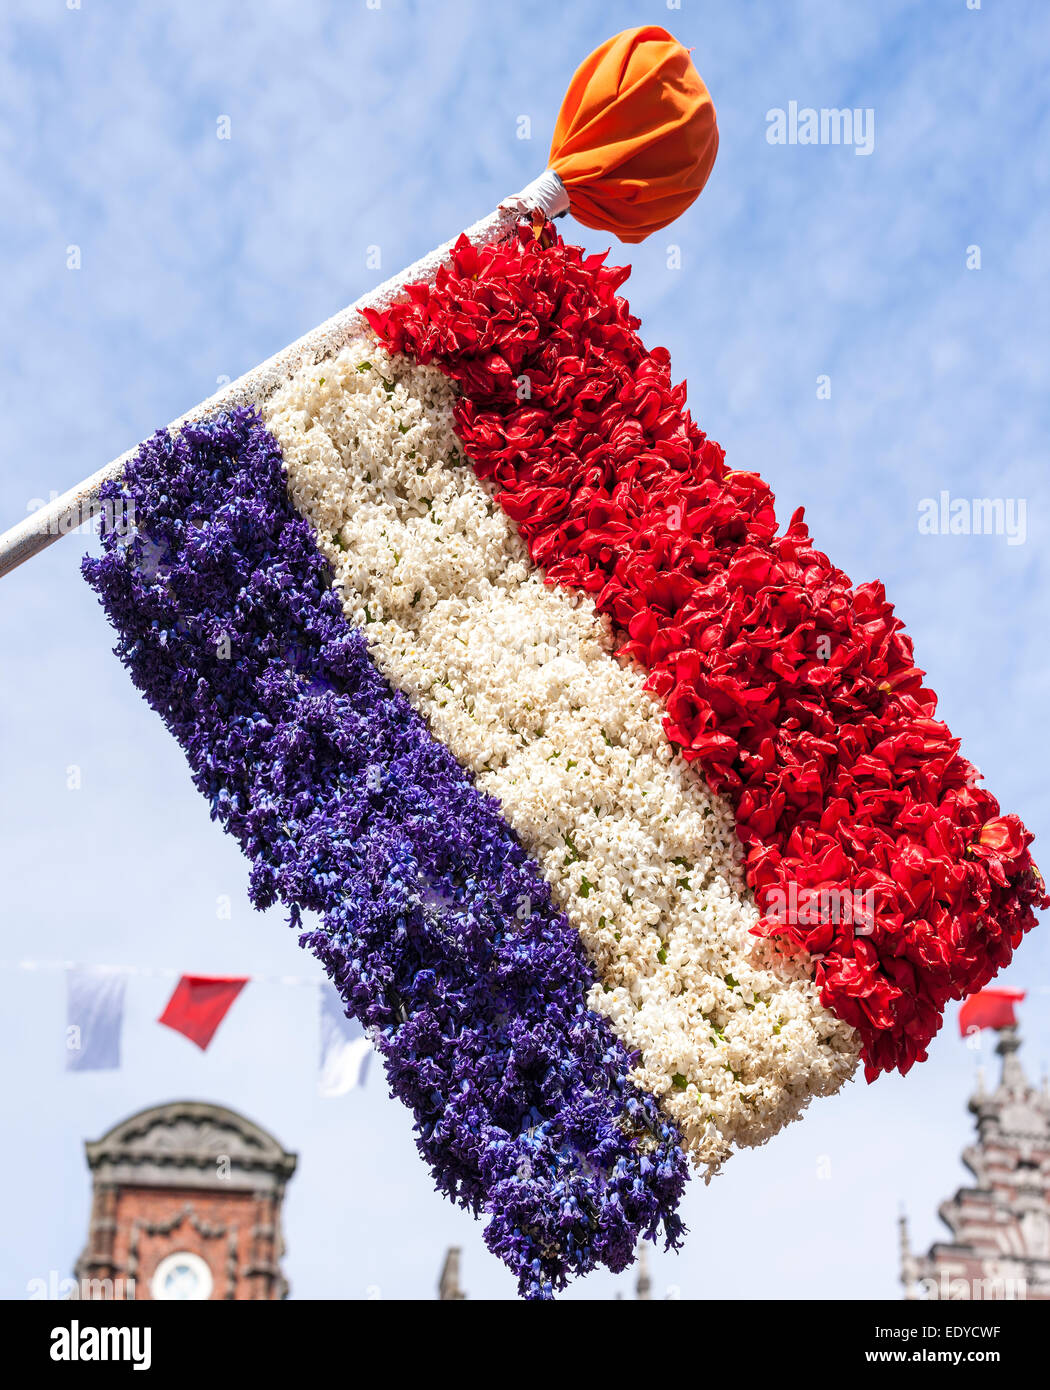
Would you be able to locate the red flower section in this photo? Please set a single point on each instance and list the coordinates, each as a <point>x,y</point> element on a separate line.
<point>795,691</point>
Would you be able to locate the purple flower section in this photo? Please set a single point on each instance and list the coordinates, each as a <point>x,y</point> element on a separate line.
<point>437,928</point>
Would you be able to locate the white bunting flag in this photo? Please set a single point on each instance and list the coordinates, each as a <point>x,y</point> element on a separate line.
<point>345,1050</point>
<point>94,1017</point>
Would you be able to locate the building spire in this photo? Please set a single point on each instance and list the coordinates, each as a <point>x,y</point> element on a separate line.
<point>1000,1227</point>
<point>643,1287</point>
<point>449,1290</point>
<point>1013,1076</point>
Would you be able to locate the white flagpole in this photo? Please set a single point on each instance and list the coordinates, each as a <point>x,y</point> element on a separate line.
<point>45,526</point>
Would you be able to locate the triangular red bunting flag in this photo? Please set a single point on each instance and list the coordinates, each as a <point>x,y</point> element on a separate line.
<point>989,1008</point>
<point>200,1003</point>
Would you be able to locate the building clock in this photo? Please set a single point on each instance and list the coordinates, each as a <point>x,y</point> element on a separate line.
<point>181,1275</point>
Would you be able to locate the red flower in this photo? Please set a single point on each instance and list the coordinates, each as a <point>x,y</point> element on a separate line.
<point>795,691</point>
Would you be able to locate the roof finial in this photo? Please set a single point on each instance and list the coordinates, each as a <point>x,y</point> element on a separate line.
<point>907,1262</point>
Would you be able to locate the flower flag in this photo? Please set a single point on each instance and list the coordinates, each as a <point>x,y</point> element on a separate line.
<point>199,1003</point>
<point>617,814</point>
<point>989,1008</point>
<point>94,1017</point>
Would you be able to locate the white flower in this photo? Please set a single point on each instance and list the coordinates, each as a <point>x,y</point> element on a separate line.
<point>519,680</point>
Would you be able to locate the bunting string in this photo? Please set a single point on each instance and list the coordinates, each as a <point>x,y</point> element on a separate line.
<point>158,971</point>
<point>196,1008</point>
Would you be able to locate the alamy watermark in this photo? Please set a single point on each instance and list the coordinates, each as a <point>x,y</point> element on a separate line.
<point>814,907</point>
<point>116,515</point>
<point>946,515</point>
<point>830,125</point>
<point>58,1287</point>
<point>76,1343</point>
<point>945,1287</point>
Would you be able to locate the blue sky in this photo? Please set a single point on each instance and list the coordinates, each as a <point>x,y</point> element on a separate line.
<point>395,127</point>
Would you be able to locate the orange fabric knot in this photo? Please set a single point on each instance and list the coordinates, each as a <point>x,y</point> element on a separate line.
<point>636,136</point>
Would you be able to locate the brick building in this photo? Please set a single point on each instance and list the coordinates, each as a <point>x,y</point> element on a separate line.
<point>1000,1228</point>
<point>186,1204</point>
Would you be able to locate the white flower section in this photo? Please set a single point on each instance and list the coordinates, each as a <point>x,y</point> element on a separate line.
<point>519,681</point>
